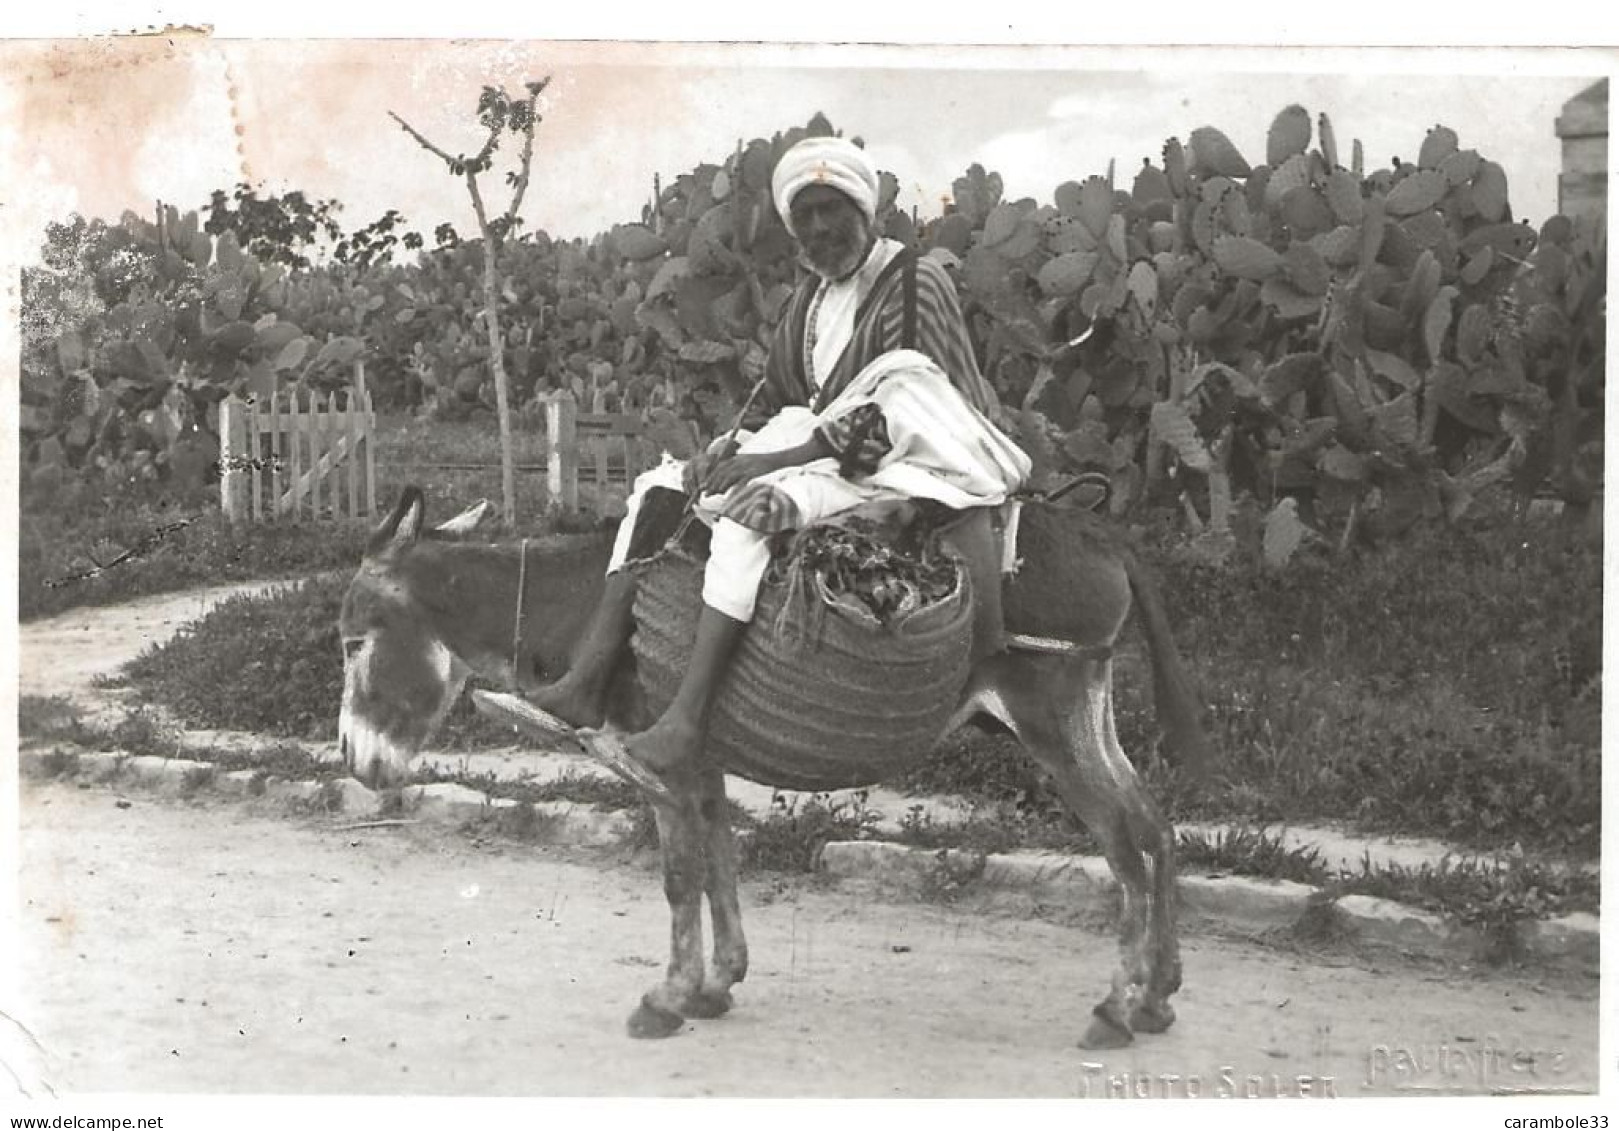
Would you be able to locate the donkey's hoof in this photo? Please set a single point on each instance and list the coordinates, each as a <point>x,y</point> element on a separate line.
<point>706,1005</point>
<point>1105,1033</point>
<point>651,1021</point>
<point>1152,1018</point>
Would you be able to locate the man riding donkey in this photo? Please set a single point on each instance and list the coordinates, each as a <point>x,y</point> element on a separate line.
<point>874,395</point>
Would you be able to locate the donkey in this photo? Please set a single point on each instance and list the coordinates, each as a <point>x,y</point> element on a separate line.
<point>427,611</point>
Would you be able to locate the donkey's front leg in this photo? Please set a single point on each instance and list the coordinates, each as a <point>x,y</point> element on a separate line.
<point>729,964</point>
<point>665,1007</point>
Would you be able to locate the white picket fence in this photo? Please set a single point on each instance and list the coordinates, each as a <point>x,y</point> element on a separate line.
<point>603,450</point>
<point>299,456</point>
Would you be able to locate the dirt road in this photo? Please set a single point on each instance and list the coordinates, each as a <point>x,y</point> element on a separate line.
<point>206,947</point>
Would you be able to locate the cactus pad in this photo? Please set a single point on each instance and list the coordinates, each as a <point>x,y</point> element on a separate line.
<point>1439,144</point>
<point>1417,193</point>
<point>1213,155</point>
<point>1490,191</point>
<point>1289,135</point>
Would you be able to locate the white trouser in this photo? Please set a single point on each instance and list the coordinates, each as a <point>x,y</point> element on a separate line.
<point>738,556</point>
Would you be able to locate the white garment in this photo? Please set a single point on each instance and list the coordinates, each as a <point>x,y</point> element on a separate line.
<point>943,449</point>
<point>830,326</point>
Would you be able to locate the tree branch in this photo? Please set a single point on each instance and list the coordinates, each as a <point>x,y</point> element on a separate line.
<point>488,149</point>
<point>477,206</point>
<point>420,140</point>
<point>527,159</point>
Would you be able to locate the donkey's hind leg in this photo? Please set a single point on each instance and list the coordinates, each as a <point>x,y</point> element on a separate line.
<point>729,964</point>
<point>1058,708</point>
<point>1154,833</point>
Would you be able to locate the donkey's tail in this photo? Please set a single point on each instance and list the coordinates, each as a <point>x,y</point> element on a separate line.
<point>1178,704</point>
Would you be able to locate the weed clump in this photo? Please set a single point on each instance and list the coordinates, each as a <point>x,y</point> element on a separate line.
<point>791,836</point>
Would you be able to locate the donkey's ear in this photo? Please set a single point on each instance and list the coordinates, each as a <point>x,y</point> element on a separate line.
<point>400,528</point>
<point>468,521</point>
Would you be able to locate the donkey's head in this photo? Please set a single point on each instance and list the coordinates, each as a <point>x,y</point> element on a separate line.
<point>400,673</point>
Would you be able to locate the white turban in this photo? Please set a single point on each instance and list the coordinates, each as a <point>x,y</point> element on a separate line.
<point>825,161</point>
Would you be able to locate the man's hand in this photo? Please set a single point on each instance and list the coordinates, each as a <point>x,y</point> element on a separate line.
<point>741,469</point>
<point>698,467</point>
<point>716,476</point>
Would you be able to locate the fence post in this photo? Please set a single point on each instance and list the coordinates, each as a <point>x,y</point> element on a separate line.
<point>277,446</point>
<point>232,454</point>
<point>297,428</point>
<point>328,444</point>
<point>352,418</point>
<point>370,454</point>
<point>255,467</point>
<point>562,451</point>
<point>359,467</point>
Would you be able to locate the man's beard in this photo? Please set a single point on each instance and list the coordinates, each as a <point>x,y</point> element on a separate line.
<point>836,258</point>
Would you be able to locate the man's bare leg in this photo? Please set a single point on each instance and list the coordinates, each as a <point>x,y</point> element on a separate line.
<point>675,740</point>
<point>580,696</point>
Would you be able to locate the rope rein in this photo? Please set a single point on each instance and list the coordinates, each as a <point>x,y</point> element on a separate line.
<point>730,438</point>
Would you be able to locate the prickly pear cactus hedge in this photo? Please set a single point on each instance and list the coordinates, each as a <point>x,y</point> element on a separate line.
<point>1367,348</point>
<point>131,337</point>
<point>1297,352</point>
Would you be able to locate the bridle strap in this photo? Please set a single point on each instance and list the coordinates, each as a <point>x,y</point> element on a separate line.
<point>517,619</point>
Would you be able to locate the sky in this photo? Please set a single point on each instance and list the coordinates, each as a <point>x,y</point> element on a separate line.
<point>100,126</point>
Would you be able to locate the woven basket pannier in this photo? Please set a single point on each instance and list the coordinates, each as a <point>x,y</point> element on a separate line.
<point>819,695</point>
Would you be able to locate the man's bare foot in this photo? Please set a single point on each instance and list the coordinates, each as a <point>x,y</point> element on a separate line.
<point>571,699</point>
<point>669,744</point>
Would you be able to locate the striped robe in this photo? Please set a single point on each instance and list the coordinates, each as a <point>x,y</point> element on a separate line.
<point>941,334</point>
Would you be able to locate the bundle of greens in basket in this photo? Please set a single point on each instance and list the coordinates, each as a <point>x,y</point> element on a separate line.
<point>860,567</point>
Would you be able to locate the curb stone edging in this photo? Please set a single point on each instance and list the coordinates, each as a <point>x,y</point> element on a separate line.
<point>1387,923</point>
<point>447,804</point>
<point>1571,940</point>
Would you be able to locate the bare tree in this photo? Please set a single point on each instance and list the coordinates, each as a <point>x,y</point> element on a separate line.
<point>499,113</point>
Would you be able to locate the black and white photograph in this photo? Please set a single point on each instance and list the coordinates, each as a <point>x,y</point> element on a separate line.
<point>702,567</point>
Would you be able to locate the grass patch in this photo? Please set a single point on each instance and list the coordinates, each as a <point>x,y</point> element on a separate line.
<point>1431,688</point>
<point>142,732</point>
<point>55,764</point>
<point>1245,851</point>
<point>55,549</point>
<point>579,788</point>
<point>997,828</point>
<point>48,717</point>
<point>953,875</point>
<point>281,759</point>
<point>271,664</point>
